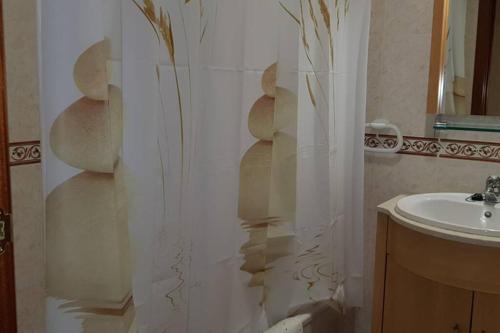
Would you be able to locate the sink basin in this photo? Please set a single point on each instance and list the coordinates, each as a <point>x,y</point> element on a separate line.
<point>451,211</point>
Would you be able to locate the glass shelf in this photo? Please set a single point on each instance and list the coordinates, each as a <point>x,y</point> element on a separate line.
<point>457,127</point>
<point>467,123</point>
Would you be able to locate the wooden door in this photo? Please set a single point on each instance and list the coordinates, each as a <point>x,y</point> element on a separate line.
<point>7,291</point>
<point>484,53</point>
<point>414,304</point>
<point>486,314</point>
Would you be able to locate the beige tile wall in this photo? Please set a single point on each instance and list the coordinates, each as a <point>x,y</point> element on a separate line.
<point>20,24</point>
<point>398,67</point>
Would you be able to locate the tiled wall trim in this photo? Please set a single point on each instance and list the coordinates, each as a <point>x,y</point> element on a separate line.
<point>445,148</point>
<point>21,153</point>
<point>29,152</point>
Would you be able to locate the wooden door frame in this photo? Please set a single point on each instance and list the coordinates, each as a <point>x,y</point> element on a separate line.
<point>7,285</point>
<point>435,92</point>
<point>484,53</point>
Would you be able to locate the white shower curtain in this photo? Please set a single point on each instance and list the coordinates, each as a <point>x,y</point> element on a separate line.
<point>203,161</point>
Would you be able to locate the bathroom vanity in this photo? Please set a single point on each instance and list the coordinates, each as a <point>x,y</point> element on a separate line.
<point>436,272</point>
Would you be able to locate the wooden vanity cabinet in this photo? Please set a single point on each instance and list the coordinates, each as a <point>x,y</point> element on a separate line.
<point>414,304</point>
<point>427,284</point>
<point>486,314</point>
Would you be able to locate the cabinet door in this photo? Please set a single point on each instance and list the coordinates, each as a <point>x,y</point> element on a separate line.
<point>414,304</point>
<point>486,315</point>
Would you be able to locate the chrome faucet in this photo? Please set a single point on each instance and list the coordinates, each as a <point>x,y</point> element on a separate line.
<point>492,190</point>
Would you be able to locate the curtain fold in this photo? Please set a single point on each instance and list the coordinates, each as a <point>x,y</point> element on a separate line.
<point>203,162</point>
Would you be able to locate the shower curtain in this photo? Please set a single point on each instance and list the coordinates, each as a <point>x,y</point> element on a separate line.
<point>203,161</point>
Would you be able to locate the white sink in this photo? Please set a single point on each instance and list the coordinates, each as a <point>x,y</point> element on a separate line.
<point>451,211</point>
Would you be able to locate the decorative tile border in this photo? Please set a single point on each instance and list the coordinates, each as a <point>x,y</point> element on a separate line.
<point>29,152</point>
<point>21,153</point>
<point>445,148</point>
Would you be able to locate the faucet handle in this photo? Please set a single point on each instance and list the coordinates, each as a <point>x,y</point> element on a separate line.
<point>493,184</point>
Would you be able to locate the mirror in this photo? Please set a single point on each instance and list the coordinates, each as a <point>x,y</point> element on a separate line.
<point>472,60</point>
<point>464,78</point>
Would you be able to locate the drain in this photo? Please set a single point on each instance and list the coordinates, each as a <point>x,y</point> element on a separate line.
<point>488,214</point>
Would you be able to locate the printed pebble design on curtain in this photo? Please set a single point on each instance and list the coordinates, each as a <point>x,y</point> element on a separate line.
<point>267,181</point>
<point>202,161</point>
<point>88,261</point>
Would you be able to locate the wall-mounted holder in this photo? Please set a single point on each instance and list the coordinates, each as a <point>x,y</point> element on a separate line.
<point>380,125</point>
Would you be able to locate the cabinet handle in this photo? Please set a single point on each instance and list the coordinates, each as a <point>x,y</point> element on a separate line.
<point>456,329</point>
